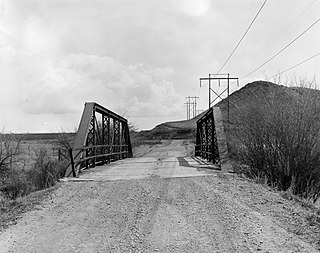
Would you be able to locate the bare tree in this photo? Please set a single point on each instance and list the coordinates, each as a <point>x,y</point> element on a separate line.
<point>65,140</point>
<point>10,152</point>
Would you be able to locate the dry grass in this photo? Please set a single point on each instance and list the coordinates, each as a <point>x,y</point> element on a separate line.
<point>32,167</point>
<point>276,137</point>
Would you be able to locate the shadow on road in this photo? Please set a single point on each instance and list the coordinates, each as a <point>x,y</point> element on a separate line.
<point>201,165</point>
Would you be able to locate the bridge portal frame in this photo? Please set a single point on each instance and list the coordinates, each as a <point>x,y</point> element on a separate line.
<point>103,136</point>
<point>206,138</point>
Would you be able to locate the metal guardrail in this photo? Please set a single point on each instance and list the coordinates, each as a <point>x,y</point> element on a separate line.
<point>103,136</point>
<point>206,139</point>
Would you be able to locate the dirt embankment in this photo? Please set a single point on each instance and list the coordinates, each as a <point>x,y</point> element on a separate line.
<point>217,212</point>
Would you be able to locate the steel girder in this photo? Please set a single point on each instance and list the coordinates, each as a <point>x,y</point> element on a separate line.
<point>206,139</point>
<point>103,136</point>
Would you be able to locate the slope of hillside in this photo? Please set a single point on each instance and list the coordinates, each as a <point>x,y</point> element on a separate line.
<point>259,92</point>
<point>256,92</point>
<point>183,124</point>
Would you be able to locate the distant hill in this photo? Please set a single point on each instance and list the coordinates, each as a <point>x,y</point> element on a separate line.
<point>183,129</point>
<point>256,92</point>
<point>36,136</point>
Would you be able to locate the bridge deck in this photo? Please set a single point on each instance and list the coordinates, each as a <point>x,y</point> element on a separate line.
<point>143,167</point>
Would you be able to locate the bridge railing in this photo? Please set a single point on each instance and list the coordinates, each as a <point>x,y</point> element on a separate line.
<point>206,139</point>
<point>103,137</point>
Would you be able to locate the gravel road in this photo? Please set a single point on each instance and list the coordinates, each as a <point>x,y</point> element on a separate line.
<point>161,201</point>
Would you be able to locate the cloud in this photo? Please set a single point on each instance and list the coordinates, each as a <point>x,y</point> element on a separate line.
<point>45,71</point>
<point>7,54</point>
<point>62,86</point>
<point>139,57</point>
<point>193,7</point>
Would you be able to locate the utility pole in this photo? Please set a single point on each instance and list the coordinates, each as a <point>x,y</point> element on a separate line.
<point>199,111</point>
<point>191,104</point>
<point>220,78</point>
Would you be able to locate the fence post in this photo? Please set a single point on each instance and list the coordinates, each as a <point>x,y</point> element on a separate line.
<point>72,163</point>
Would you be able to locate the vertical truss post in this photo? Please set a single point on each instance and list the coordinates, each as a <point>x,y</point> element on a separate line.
<point>122,155</point>
<point>116,138</point>
<point>111,138</point>
<point>106,136</point>
<point>94,149</point>
<point>128,141</point>
<point>209,90</point>
<point>198,142</point>
<point>103,136</point>
<point>209,139</point>
<point>72,163</point>
<point>228,93</point>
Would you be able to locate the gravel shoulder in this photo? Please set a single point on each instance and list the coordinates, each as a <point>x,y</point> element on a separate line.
<point>216,212</point>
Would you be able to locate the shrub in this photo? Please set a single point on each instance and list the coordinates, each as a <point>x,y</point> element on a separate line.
<point>45,172</point>
<point>12,183</point>
<point>279,140</point>
<point>14,180</point>
<point>15,186</point>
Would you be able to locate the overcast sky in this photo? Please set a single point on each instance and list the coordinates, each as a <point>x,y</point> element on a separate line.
<point>139,58</point>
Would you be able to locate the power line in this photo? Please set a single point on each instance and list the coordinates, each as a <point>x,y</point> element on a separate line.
<point>284,31</point>
<point>191,104</point>
<point>275,55</point>
<point>255,17</point>
<point>310,58</point>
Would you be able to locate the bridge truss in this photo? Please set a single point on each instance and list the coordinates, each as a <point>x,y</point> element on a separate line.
<point>206,139</point>
<point>103,136</point>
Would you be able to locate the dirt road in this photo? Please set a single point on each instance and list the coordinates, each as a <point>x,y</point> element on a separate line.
<point>163,201</point>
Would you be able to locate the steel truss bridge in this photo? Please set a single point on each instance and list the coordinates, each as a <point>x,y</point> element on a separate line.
<point>103,136</point>
<point>206,139</point>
